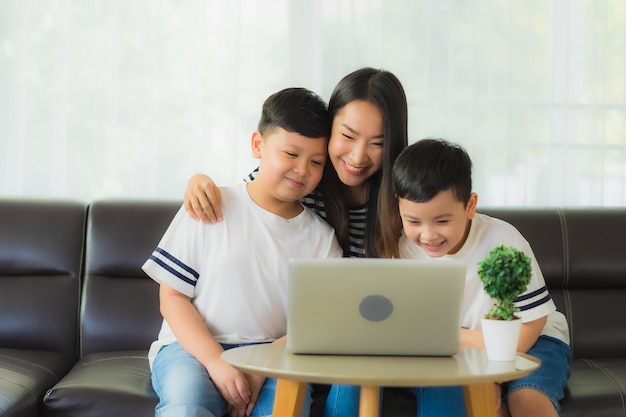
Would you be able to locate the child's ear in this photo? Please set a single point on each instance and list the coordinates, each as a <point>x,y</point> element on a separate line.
<point>471,206</point>
<point>257,144</point>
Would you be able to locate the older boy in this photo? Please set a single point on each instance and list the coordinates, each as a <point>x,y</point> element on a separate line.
<point>433,182</point>
<point>224,285</point>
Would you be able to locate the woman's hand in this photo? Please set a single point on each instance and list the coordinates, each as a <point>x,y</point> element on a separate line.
<point>203,199</point>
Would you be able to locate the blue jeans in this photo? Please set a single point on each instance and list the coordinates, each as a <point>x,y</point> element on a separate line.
<point>550,379</point>
<point>185,388</point>
<point>343,401</point>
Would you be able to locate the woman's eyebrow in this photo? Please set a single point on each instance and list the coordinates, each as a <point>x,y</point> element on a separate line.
<point>380,136</point>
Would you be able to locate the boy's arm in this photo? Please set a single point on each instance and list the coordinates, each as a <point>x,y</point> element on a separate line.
<point>527,338</point>
<point>530,333</point>
<point>193,335</point>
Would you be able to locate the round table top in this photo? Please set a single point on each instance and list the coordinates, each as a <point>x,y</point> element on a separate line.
<point>467,366</point>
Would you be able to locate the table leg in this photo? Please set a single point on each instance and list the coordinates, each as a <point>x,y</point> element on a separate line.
<point>289,398</point>
<point>369,402</point>
<point>480,400</point>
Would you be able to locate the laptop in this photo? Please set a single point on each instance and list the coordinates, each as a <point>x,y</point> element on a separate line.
<point>364,306</point>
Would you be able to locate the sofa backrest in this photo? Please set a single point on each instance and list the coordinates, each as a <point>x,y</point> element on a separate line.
<point>580,252</point>
<point>120,304</point>
<point>41,263</point>
<point>41,251</point>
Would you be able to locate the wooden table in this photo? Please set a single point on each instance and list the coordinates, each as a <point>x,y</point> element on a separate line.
<point>469,368</point>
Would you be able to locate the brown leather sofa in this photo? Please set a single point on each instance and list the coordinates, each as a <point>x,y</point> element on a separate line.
<point>77,314</point>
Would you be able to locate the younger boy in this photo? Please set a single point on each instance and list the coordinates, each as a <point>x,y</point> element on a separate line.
<point>225,284</point>
<point>433,182</point>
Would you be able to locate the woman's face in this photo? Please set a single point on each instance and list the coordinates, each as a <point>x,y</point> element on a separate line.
<point>356,144</point>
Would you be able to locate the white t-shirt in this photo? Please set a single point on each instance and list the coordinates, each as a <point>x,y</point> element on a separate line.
<point>485,234</point>
<point>235,271</point>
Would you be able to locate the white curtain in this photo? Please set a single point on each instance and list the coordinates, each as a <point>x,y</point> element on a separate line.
<point>128,98</point>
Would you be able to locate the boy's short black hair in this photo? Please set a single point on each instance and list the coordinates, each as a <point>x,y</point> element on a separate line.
<point>296,110</point>
<point>430,166</point>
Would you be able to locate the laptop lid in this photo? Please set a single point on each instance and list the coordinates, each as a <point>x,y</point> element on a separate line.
<point>361,306</point>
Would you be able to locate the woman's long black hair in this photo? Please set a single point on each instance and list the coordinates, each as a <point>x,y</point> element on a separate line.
<point>383,225</point>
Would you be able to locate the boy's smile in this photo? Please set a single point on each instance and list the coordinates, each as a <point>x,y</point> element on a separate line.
<point>291,166</point>
<point>439,226</point>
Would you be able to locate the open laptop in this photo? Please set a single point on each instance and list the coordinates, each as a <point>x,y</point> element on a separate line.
<point>359,306</point>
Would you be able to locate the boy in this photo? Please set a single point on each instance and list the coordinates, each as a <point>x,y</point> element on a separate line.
<point>433,182</point>
<point>224,285</point>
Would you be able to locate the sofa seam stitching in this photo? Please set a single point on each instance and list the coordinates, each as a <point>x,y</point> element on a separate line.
<point>28,389</point>
<point>36,365</point>
<point>609,374</point>
<point>114,358</point>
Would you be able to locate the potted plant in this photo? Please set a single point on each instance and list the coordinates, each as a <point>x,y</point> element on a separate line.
<point>505,273</point>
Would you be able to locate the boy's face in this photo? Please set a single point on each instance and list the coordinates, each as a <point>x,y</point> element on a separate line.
<point>438,226</point>
<point>291,165</point>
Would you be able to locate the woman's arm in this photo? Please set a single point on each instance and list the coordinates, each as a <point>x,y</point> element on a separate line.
<point>203,199</point>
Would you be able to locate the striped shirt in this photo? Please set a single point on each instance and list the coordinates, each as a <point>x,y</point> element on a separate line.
<point>358,216</point>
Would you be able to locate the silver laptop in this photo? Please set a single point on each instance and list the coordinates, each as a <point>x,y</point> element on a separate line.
<point>357,306</point>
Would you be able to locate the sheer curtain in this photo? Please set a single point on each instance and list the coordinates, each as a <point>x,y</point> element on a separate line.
<point>129,98</point>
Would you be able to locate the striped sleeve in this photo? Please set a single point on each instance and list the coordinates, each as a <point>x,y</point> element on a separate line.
<point>533,299</point>
<point>176,258</point>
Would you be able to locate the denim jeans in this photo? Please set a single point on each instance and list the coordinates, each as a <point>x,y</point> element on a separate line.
<point>343,401</point>
<point>550,379</point>
<point>185,388</point>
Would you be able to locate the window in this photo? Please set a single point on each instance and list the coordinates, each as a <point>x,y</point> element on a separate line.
<point>130,98</point>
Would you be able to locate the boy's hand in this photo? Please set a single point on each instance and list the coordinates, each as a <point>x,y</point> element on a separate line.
<point>231,383</point>
<point>203,199</point>
<point>236,412</point>
<point>498,395</point>
<point>256,383</point>
<point>501,408</point>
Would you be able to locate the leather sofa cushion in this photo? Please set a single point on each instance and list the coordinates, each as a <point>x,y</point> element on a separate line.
<point>41,253</point>
<point>41,250</point>
<point>120,302</point>
<point>595,388</point>
<point>105,385</point>
<point>25,375</point>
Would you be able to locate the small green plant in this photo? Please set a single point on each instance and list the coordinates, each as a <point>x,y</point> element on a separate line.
<point>505,273</point>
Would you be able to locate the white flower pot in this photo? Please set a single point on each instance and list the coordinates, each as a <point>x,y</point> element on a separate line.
<point>501,338</point>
